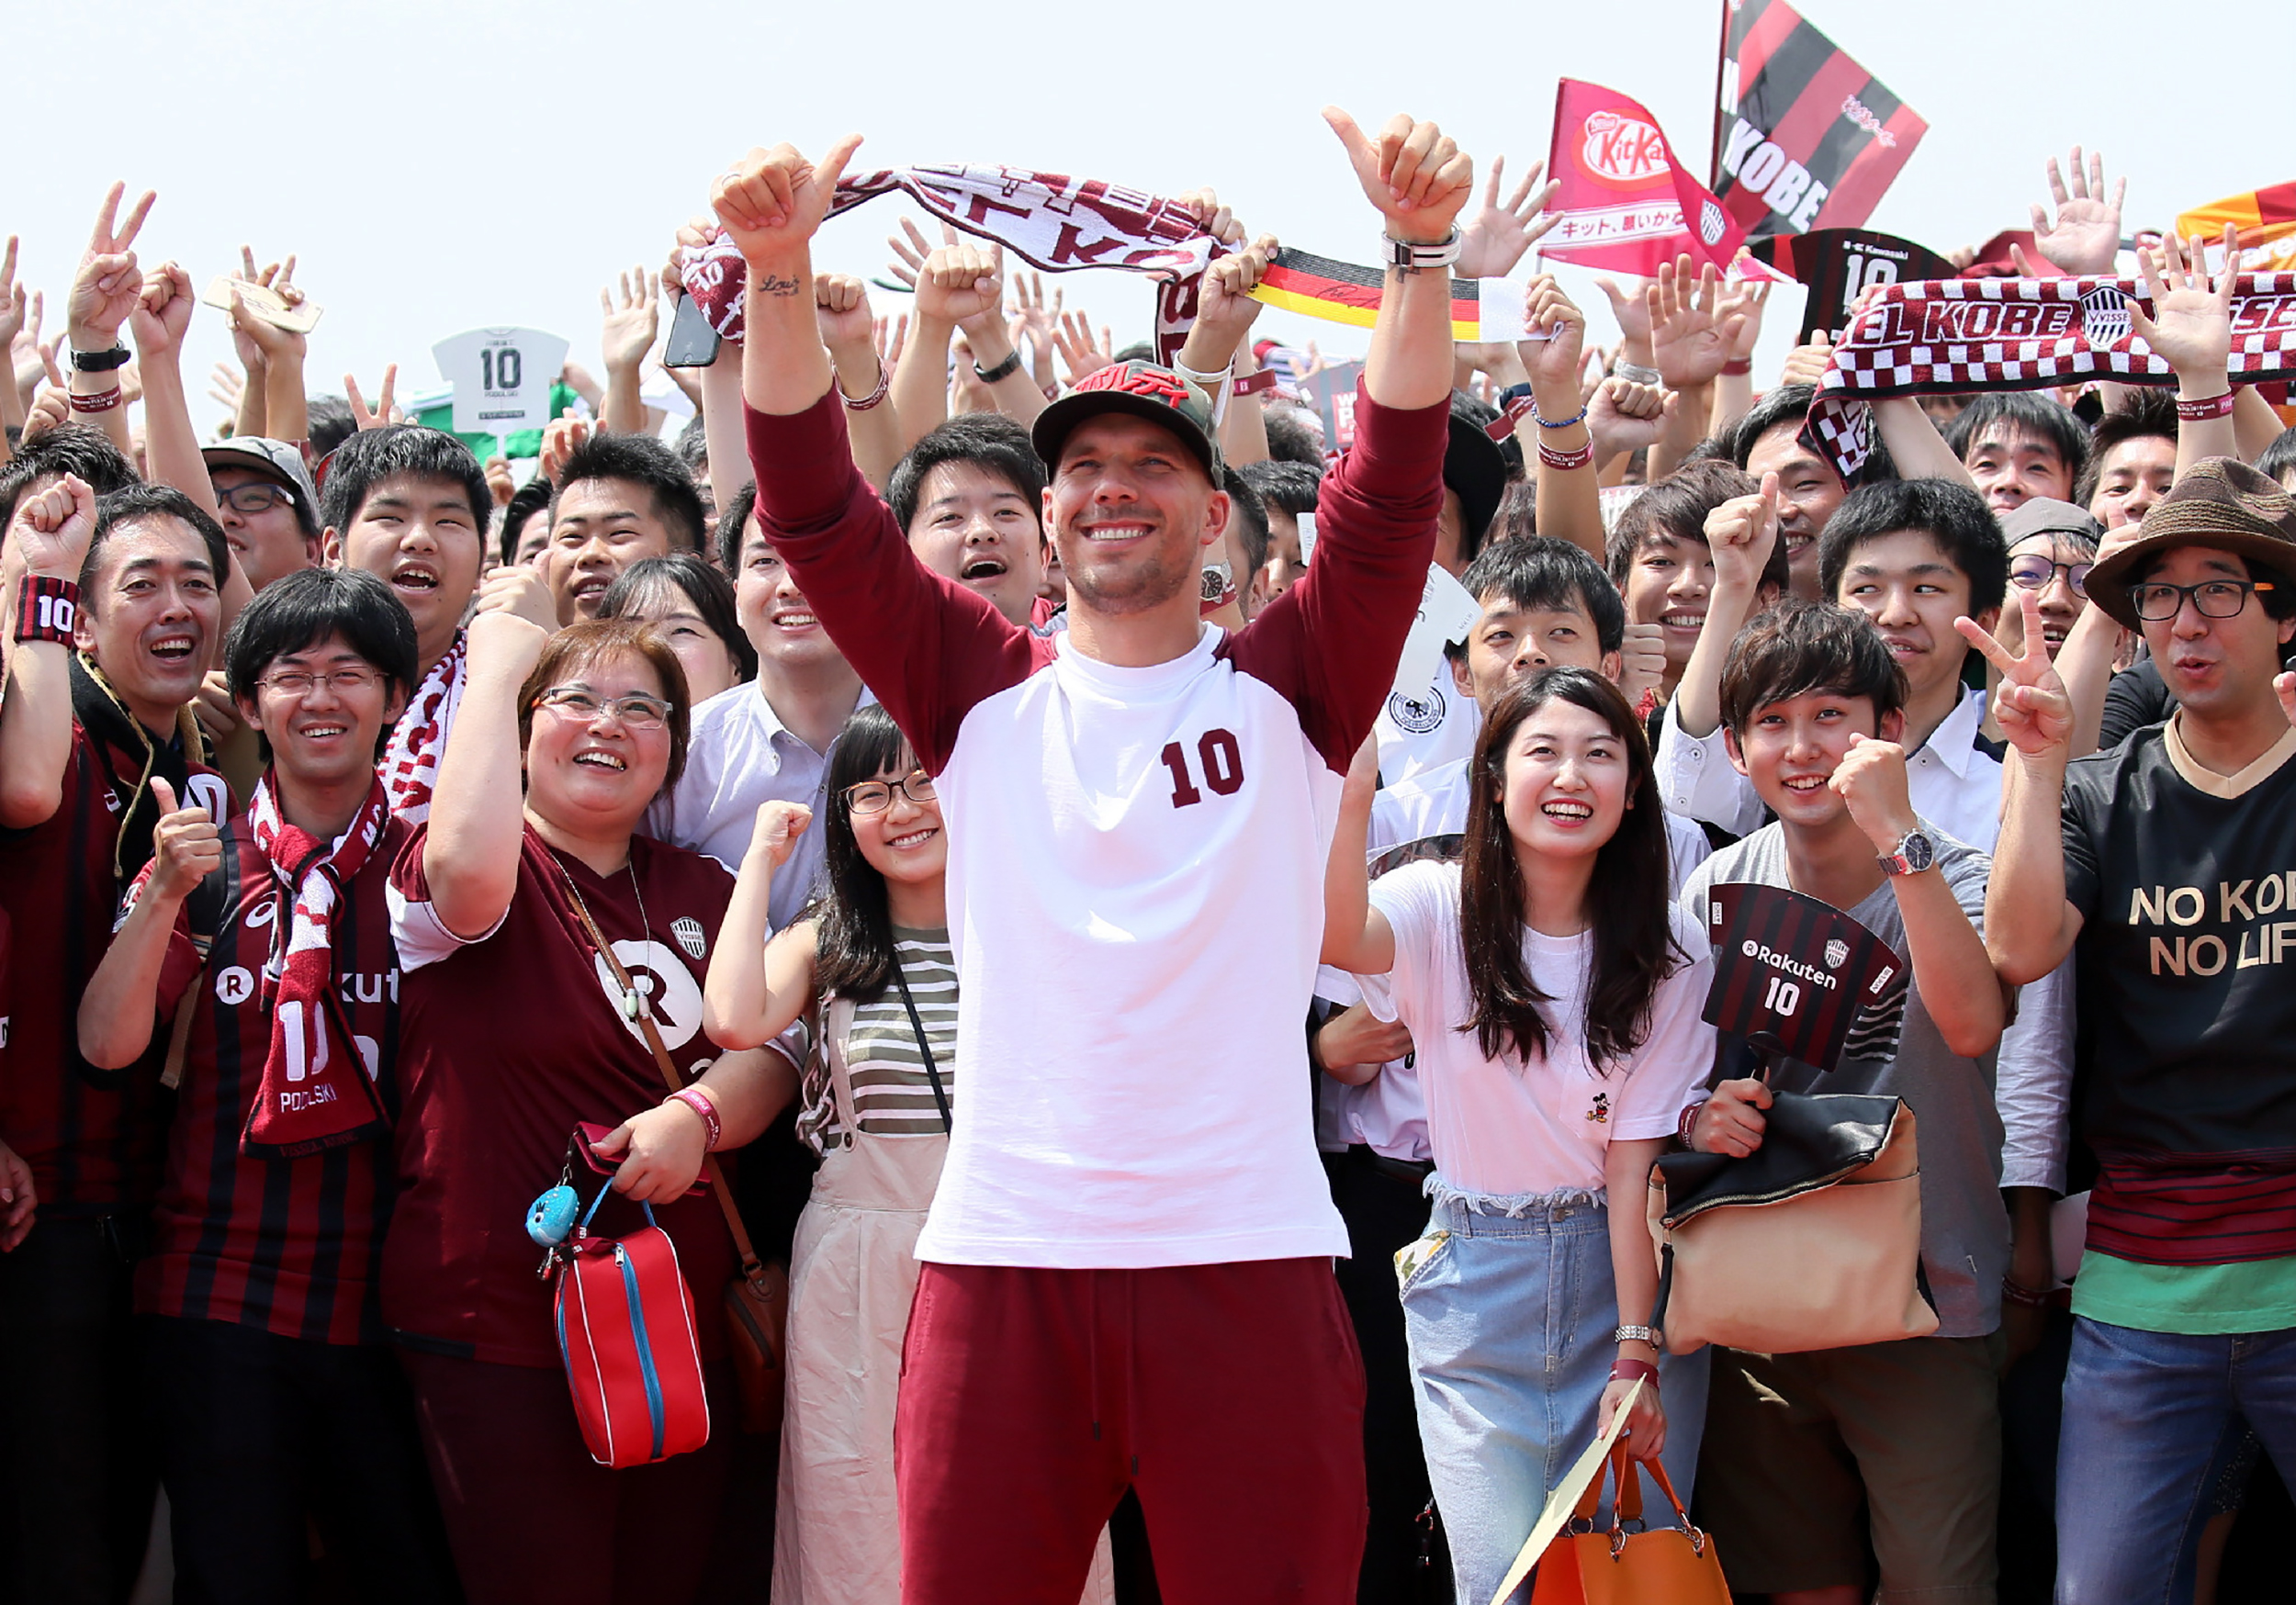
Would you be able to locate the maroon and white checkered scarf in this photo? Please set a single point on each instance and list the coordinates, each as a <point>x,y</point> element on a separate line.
<point>409,766</point>
<point>2020,334</point>
<point>1048,219</point>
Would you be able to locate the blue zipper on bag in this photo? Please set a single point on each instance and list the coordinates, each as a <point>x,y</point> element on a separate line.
<point>645,1348</point>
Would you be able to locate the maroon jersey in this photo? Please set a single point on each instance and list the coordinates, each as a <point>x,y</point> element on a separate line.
<point>505,1045</point>
<point>288,1245</point>
<point>94,1139</point>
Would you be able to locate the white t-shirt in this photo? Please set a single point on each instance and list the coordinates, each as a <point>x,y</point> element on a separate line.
<point>1504,1128</point>
<point>1423,730</point>
<point>1136,860</point>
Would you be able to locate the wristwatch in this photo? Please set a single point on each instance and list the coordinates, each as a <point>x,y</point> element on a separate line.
<point>1416,256</point>
<point>1651,1335</point>
<point>1916,851</point>
<point>99,362</point>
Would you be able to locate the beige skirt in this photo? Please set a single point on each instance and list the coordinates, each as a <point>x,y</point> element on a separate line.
<point>852,1276</point>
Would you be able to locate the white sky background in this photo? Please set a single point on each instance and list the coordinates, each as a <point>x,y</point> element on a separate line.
<point>439,167</point>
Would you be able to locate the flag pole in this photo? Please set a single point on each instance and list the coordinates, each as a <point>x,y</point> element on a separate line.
<point>1721,59</point>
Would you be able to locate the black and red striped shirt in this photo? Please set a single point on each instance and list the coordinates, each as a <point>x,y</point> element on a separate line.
<point>94,1139</point>
<point>287,1245</point>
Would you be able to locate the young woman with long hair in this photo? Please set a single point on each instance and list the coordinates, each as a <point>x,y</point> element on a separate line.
<point>870,962</point>
<point>1552,993</point>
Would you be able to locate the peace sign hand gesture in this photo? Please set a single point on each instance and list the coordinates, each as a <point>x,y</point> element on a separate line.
<point>2031,705</point>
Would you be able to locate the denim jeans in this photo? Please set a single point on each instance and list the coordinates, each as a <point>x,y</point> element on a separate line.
<point>1508,1307</point>
<point>2149,1419</point>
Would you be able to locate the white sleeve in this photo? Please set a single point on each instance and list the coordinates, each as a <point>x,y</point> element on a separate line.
<point>1672,1066</point>
<point>2033,1083</point>
<point>1696,780</point>
<point>420,935</point>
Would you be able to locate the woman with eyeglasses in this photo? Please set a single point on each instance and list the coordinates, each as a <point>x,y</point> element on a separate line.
<point>515,1029</point>
<point>870,963</point>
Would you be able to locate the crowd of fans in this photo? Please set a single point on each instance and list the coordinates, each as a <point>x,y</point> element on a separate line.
<point>1201,1090</point>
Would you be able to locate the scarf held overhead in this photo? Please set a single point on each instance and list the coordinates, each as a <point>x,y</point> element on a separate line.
<point>318,1091</point>
<point>1049,219</point>
<point>409,766</point>
<point>1959,335</point>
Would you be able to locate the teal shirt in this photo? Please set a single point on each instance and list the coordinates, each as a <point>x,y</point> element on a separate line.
<point>2248,1295</point>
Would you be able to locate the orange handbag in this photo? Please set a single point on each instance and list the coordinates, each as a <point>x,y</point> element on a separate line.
<point>1631,1563</point>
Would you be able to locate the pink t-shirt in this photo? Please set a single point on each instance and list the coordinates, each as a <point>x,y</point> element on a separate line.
<point>1506,1128</point>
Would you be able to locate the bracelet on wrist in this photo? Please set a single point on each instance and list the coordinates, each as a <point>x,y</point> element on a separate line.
<point>2211,407</point>
<point>1419,256</point>
<point>101,401</point>
<point>1688,1123</point>
<point>1578,417</point>
<point>1739,368</point>
<point>875,398</point>
<point>2019,1295</point>
<point>1627,1370</point>
<point>1003,370</point>
<point>1548,457</point>
<point>46,609</point>
<point>696,1099</point>
<point>1639,1334</point>
<point>100,362</point>
<point>1635,373</point>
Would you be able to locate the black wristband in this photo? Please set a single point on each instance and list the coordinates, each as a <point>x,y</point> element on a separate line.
<point>99,362</point>
<point>1003,370</point>
<point>46,609</point>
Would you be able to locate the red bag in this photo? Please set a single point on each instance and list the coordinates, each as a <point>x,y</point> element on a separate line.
<point>626,1333</point>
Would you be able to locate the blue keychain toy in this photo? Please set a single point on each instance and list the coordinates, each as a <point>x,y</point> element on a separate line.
<point>551,1216</point>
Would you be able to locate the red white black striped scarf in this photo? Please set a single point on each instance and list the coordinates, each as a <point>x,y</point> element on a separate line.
<point>409,766</point>
<point>316,1091</point>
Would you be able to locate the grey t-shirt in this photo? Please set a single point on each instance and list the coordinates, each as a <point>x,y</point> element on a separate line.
<point>1964,1226</point>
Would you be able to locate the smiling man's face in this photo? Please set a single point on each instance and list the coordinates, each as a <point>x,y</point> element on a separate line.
<point>976,527</point>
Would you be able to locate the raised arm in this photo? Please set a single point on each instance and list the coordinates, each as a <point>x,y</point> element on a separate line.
<point>873,423</point>
<point>626,335</point>
<point>1357,937</point>
<point>770,202</point>
<point>1556,437</point>
<point>478,811</point>
<point>2192,330</point>
<point>1419,179</point>
<point>171,441</point>
<point>760,981</point>
<point>119,1010</point>
<point>2029,925</point>
<point>47,541</point>
<point>1950,965</point>
<point>1740,533</point>
<point>104,291</point>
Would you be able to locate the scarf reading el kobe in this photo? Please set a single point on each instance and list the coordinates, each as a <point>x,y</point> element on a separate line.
<point>1049,219</point>
<point>409,766</point>
<point>1958,335</point>
<point>316,1091</point>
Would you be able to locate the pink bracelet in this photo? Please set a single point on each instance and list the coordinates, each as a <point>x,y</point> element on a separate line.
<point>696,1099</point>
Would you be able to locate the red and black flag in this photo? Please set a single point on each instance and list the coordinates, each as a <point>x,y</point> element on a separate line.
<point>1803,137</point>
<point>1792,975</point>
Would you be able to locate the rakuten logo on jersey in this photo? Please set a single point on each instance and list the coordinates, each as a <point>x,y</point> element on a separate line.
<point>1622,151</point>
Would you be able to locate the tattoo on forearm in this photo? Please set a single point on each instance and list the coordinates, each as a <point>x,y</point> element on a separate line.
<point>767,284</point>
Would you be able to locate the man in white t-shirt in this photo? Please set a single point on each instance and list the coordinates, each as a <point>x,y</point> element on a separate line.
<point>1127,1278</point>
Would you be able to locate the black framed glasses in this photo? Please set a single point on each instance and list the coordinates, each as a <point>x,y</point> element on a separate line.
<point>2215,599</point>
<point>876,796</point>
<point>637,710</point>
<point>343,683</point>
<point>247,500</point>
<point>2036,572</point>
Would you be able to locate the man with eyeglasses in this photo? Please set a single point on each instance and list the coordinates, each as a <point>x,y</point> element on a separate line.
<point>278,1395</point>
<point>2166,867</point>
<point>2052,547</point>
<point>269,510</point>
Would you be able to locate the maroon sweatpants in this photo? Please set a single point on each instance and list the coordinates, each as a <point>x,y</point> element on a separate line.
<point>1229,1396</point>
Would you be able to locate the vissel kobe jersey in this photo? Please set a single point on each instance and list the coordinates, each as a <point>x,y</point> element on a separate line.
<point>1136,863</point>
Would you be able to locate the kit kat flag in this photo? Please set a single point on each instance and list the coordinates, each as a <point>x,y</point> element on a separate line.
<point>1624,202</point>
<point>1803,137</point>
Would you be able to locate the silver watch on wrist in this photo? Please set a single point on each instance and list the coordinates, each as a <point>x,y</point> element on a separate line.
<point>1651,1335</point>
<point>1414,256</point>
<point>1915,852</point>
